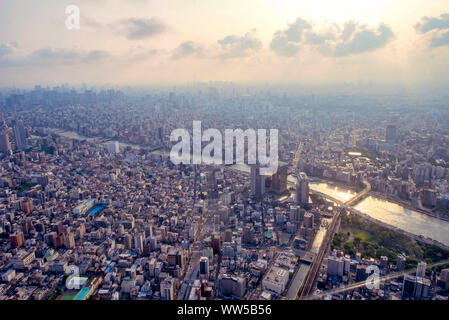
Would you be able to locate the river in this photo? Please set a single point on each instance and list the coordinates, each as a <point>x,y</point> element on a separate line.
<point>391,213</point>
<point>403,218</point>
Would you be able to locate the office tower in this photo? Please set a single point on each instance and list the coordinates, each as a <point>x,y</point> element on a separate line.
<point>19,135</point>
<point>228,236</point>
<point>138,242</point>
<point>257,182</point>
<point>444,279</point>
<point>160,133</point>
<point>27,206</point>
<point>211,178</point>
<point>5,145</point>
<point>248,235</point>
<point>276,280</point>
<point>335,266</point>
<point>176,258</point>
<point>302,189</point>
<point>429,198</point>
<point>232,285</point>
<point>279,179</point>
<point>347,265</point>
<point>212,184</point>
<point>17,239</point>
<point>308,220</point>
<point>216,243</point>
<point>114,147</point>
<point>415,287</point>
<point>421,269</point>
<point>70,240</point>
<point>390,134</point>
<point>204,266</point>
<point>127,241</point>
<point>167,289</point>
<point>408,286</point>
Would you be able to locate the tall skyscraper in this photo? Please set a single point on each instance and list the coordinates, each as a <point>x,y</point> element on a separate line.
<point>257,182</point>
<point>279,179</point>
<point>20,135</point>
<point>204,266</point>
<point>5,145</point>
<point>138,242</point>
<point>390,134</point>
<point>302,189</point>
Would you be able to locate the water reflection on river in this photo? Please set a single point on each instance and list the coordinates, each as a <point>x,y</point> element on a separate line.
<point>334,191</point>
<point>405,219</point>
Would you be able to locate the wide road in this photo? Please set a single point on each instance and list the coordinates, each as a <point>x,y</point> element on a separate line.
<point>193,266</point>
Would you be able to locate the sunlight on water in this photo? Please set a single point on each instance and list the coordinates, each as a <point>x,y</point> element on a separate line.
<point>405,219</point>
<point>339,193</point>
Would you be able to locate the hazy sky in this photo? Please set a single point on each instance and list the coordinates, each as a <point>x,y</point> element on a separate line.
<point>149,42</point>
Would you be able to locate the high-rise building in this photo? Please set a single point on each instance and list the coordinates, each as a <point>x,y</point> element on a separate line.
<point>408,286</point>
<point>70,240</point>
<point>308,220</point>
<point>204,266</point>
<point>127,241</point>
<point>390,134</point>
<point>421,269</point>
<point>138,242</point>
<point>335,266</point>
<point>167,288</point>
<point>27,206</point>
<point>5,145</point>
<point>160,133</point>
<point>279,179</point>
<point>257,182</point>
<point>248,235</point>
<point>20,135</point>
<point>114,147</point>
<point>415,287</point>
<point>17,239</point>
<point>232,285</point>
<point>444,279</point>
<point>276,280</point>
<point>176,258</point>
<point>228,235</point>
<point>302,189</point>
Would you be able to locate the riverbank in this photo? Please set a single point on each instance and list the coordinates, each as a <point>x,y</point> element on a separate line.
<point>98,140</point>
<point>418,238</point>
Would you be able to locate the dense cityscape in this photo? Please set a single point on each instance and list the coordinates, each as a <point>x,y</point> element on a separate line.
<point>92,207</point>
